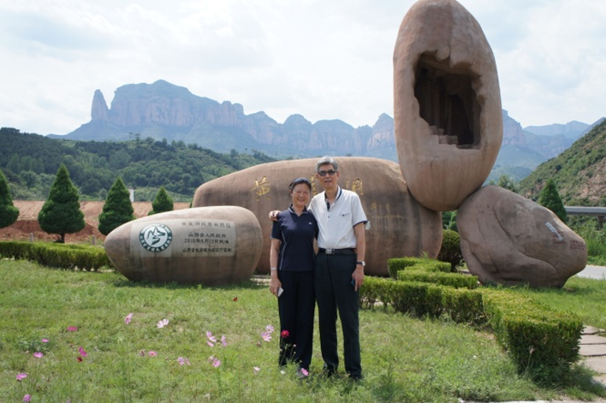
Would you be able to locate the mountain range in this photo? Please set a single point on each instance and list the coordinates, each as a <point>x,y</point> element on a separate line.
<point>165,111</point>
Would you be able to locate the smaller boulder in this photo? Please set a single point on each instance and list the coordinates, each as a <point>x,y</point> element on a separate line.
<point>510,240</point>
<point>208,245</point>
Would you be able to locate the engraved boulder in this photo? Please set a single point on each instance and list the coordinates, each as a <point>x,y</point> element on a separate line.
<point>399,226</point>
<point>207,245</point>
<point>510,240</point>
<point>447,103</point>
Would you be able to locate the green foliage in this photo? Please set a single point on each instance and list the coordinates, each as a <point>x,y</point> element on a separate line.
<point>451,249</point>
<point>449,220</point>
<point>31,161</point>
<point>162,202</point>
<point>64,256</point>
<point>543,343</point>
<point>454,280</point>
<point>61,213</point>
<point>415,263</point>
<point>117,209</point>
<point>550,198</point>
<point>8,212</point>
<point>571,169</point>
<point>507,182</point>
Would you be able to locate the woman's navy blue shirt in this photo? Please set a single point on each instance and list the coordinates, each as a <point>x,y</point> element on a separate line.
<point>296,234</point>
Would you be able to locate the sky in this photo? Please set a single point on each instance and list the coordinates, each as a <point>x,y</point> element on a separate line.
<point>323,59</point>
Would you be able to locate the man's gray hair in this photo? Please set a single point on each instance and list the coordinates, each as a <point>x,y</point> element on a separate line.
<point>325,161</point>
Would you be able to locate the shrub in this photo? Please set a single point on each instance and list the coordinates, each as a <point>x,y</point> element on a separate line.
<point>415,263</point>
<point>454,280</point>
<point>451,249</point>
<point>85,257</point>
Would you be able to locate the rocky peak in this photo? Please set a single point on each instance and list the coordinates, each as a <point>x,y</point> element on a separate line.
<point>512,131</point>
<point>99,110</point>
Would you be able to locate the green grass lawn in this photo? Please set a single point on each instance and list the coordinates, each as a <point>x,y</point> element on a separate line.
<point>89,354</point>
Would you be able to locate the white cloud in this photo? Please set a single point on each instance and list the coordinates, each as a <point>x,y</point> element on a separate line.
<point>324,60</point>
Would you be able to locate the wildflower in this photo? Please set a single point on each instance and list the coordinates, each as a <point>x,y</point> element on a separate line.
<point>256,370</point>
<point>304,372</point>
<point>142,353</point>
<point>266,336</point>
<point>21,376</point>
<point>128,318</point>
<point>285,334</point>
<point>209,343</point>
<point>223,340</point>
<point>183,361</point>
<point>210,337</point>
<point>38,354</point>
<point>79,358</point>
<point>162,323</point>
<point>214,360</point>
<point>82,352</point>
<point>152,354</point>
<point>235,299</point>
<point>72,329</point>
<point>44,340</point>
<point>27,398</point>
<point>269,328</point>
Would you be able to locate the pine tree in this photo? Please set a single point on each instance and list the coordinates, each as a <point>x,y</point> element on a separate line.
<point>117,209</point>
<point>162,202</point>
<point>8,212</point>
<point>550,198</point>
<point>61,212</point>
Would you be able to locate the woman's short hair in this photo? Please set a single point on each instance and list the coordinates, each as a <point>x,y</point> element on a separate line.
<point>298,181</point>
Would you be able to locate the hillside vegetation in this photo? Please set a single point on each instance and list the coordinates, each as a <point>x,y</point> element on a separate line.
<point>579,172</point>
<point>30,162</point>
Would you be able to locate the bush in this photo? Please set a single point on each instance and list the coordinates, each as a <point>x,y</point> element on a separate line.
<point>415,263</point>
<point>451,249</point>
<point>454,280</point>
<point>64,256</point>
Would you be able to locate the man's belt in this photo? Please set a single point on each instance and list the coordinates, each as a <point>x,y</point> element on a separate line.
<point>346,251</point>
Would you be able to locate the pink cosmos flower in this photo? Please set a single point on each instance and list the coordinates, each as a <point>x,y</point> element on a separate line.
<point>162,323</point>
<point>183,361</point>
<point>27,398</point>
<point>224,340</point>
<point>266,336</point>
<point>82,352</point>
<point>269,328</point>
<point>44,340</point>
<point>216,363</point>
<point>152,354</point>
<point>285,333</point>
<point>128,318</point>
<point>72,328</point>
<point>304,372</point>
<point>210,337</point>
<point>38,354</point>
<point>21,376</point>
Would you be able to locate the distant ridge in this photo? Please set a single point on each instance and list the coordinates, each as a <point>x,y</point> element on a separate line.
<point>165,111</point>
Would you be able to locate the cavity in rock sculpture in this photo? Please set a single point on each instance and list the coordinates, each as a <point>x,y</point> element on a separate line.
<point>447,103</point>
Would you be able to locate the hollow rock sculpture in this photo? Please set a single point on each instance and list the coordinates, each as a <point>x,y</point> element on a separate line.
<point>508,239</point>
<point>207,245</point>
<point>447,103</point>
<point>399,225</point>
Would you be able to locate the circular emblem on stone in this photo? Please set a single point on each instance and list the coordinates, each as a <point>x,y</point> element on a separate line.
<point>155,237</point>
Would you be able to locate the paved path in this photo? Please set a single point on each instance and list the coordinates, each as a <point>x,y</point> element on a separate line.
<point>595,272</point>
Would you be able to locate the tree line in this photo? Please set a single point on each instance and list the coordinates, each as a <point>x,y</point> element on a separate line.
<point>30,162</point>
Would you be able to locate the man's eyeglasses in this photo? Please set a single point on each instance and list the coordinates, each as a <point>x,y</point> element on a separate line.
<point>330,172</point>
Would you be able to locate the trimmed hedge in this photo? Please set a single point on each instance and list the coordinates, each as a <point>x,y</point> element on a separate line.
<point>415,263</point>
<point>64,256</point>
<point>449,279</point>
<point>540,341</point>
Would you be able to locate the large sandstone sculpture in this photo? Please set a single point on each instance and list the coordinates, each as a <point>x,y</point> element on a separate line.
<point>208,245</point>
<point>508,239</point>
<point>399,225</point>
<point>447,103</point>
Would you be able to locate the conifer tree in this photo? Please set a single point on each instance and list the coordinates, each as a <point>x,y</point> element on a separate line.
<point>8,212</point>
<point>117,209</point>
<point>61,212</point>
<point>550,198</point>
<point>162,202</point>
